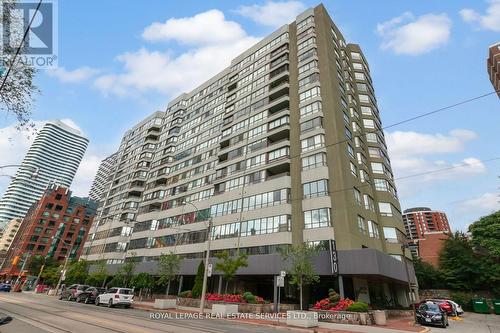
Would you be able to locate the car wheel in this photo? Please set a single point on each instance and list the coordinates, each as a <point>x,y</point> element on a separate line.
<point>443,324</point>
<point>86,300</point>
<point>110,303</point>
<point>60,297</point>
<point>69,297</point>
<point>97,301</point>
<point>78,299</point>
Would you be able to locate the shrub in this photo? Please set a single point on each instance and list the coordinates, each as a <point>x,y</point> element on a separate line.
<point>249,297</point>
<point>325,304</point>
<point>333,297</point>
<point>358,307</point>
<point>186,294</point>
<point>462,298</point>
<point>198,280</point>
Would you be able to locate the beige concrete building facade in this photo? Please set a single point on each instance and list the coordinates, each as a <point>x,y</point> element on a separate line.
<point>281,148</point>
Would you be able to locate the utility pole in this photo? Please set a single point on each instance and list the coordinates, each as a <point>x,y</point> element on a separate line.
<point>63,272</point>
<point>205,274</point>
<point>22,269</point>
<point>404,246</point>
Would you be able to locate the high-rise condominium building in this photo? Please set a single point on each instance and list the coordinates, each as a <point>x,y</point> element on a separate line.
<point>102,179</point>
<point>283,147</point>
<point>54,157</point>
<point>493,64</point>
<point>422,220</point>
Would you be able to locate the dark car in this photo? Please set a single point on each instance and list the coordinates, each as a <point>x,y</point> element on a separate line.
<point>89,295</point>
<point>5,287</point>
<point>430,313</point>
<point>72,292</point>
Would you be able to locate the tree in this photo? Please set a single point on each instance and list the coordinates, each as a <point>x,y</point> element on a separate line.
<point>428,276</point>
<point>17,94</point>
<point>142,281</point>
<point>77,272</point>
<point>117,281</point>
<point>229,265</point>
<point>36,264</point>
<point>98,277</point>
<point>486,235</point>
<point>168,269</point>
<point>127,271</point>
<point>198,281</point>
<point>301,270</point>
<point>459,266</point>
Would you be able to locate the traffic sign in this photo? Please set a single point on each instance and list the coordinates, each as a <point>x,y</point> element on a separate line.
<point>280,281</point>
<point>209,270</point>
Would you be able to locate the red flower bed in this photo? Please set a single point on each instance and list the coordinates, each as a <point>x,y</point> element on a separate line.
<point>325,304</point>
<point>232,298</point>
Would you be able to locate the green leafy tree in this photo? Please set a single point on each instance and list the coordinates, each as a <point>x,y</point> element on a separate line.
<point>486,235</point>
<point>428,276</point>
<point>301,272</point>
<point>77,272</point>
<point>229,265</point>
<point>18,92</point>
<point>459,266</point>
<point>198,281</point>
<point>142,281</point>
<point>169,265</point>
<point>127,271</point>
<point>98,277</point>
<point>36,264</point>
<point>117,281</point>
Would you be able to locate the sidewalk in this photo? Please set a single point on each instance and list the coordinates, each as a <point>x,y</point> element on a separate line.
<point>403,325</point>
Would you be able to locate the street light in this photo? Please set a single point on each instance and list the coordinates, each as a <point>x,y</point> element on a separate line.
<point>65,263</point>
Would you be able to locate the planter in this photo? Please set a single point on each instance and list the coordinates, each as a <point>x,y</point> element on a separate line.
<point>165,304</point>
<point>305,319</point>
<point>380,317</point>
<point>242,307</point>
<point>224,309</point>
<point>345,317</point>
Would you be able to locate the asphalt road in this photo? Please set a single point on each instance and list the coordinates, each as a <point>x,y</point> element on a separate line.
<point>40,313</point>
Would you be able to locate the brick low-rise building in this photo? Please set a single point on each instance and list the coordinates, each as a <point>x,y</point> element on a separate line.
<point>430,246</point>
<point>493,64</point>
<point>56,226</point>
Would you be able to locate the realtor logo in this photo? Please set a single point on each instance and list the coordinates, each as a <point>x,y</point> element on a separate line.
<point>40,44</point>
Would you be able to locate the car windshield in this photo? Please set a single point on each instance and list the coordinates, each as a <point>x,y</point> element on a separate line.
<point>101,290</point>
<point>431,307</point>
<point>125,291</point>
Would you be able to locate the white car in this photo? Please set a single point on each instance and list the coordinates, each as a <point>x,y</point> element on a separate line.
<point>116,296</point>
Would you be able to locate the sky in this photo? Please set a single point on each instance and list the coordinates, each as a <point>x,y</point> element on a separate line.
<point>119,61</point>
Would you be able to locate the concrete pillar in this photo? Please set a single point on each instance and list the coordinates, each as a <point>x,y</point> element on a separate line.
<point>341,287</point>
<point>219,289</point>
<point>180,284</point>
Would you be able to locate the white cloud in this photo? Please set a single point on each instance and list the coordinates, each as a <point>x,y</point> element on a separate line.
<point>489,21</point>
<point>209,27</point>
<point>411,144</point>
<point>72,76</point>
<point>86,173</point>
<point>483,204</point>
<point>72,124</point>
<point>211,50</point>
<point>273,13</point>
<point>406,34</point>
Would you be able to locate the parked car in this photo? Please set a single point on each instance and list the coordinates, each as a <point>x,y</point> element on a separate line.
<point>89,295</point>
<point>445,305</point>
<point>5,287</point>
<point>430,313</point>
<point>72,292</point>
<point>116,296</point>
<point>456,307</point>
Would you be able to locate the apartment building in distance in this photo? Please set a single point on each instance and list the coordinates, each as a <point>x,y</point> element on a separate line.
<point>493,64</point>
<point>54,156</point>
<point>281,148</point>
<point>56,226</point>
<point>7,236</point>
<point>426,230</point>
<point>102,179</point>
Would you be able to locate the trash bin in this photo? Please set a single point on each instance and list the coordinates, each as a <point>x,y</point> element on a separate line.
<point>480,306</point>
<point>379,317</point>
<point>496,306</point>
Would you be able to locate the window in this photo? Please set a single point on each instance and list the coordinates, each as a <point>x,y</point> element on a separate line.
<point>310,65</point>
<point>364,98</point>
<point>369,204</point>
<point>377,167</point>
<point>315,189</point>
<point>374,152</point>
<point>311,124</point>
<point>278,122</point>
<point>312,142</point>
<point>373,229</point>
<point>366,110</point>
<point>306,43</point>
<point>310,108</point>
<point>308,94</point>
<point>275,154</point>
<point>354,169</point>
<point>317,218</point>
<point>309,79</point>
<point>381,184</point>
<point>350,150</point>
<point>313,161</point>
<point>359,76</point>
<point>393,235</point>
<point>357,197</point>
<point>385,208</point>
<point>369,123</point>
<point>357,65</point>
<point>361,225</point>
